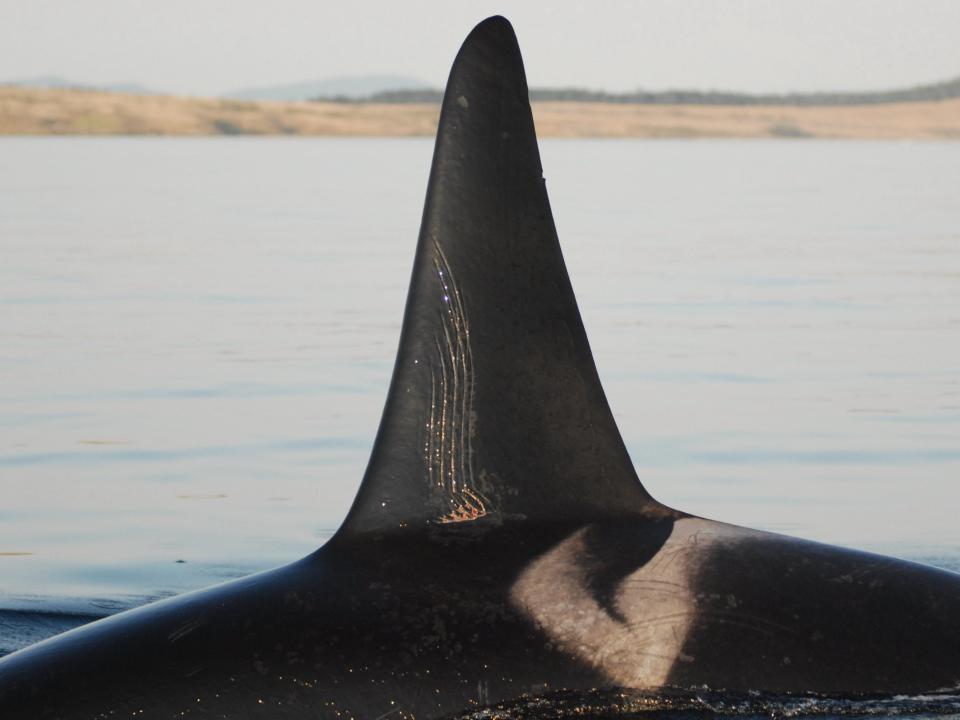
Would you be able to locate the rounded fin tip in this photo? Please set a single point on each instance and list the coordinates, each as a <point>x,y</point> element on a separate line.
<point>495,409</point>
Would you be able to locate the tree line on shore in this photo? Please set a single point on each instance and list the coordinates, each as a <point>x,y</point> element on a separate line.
<point>946,90</point>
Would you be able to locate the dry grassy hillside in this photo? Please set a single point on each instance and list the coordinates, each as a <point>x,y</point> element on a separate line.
<point>31,111</point>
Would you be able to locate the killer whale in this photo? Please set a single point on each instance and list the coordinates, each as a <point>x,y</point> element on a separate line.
<point>501,544</point>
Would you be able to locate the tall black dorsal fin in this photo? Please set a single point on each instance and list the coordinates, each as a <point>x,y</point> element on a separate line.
<point>495,409</point>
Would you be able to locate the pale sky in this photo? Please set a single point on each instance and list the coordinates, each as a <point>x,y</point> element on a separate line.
<point>212,46</point>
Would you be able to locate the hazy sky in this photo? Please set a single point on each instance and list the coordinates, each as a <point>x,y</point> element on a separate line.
<point>211,46</point>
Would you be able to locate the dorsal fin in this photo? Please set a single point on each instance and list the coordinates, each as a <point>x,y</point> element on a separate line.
<point>495,409</point>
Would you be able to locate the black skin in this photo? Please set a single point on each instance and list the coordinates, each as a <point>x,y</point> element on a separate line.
<point>416,622</point>
<point>814,617</point>
<point>501,543</point>
<point>350,628</point>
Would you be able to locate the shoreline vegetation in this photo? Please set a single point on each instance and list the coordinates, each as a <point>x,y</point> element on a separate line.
<point>946,90</point>
<point>28,111</point>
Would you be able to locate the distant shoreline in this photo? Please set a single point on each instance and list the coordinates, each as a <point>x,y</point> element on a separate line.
<point>45,112</point>
<point>946,90</point>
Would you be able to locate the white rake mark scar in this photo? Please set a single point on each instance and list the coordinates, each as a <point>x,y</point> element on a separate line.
<point>448,448</point>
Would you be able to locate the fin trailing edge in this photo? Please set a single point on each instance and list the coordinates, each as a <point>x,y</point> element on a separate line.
<point>495,409</point>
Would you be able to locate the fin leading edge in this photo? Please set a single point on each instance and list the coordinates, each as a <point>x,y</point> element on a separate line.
<point>495,409</point>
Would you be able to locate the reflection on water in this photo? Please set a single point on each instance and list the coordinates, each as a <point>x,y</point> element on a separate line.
<point>684,704</point>
<point>196,337</point>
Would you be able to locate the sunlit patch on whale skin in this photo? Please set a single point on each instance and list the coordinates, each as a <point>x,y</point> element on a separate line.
<point>637,638</point>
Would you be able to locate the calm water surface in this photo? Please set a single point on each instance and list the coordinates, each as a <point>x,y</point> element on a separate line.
<point>196,337</point>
